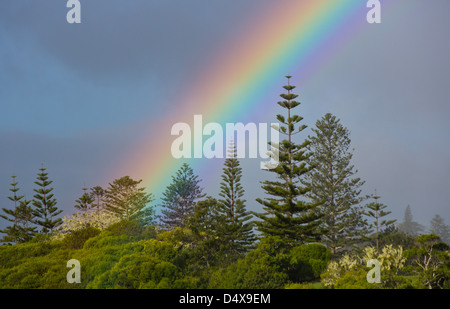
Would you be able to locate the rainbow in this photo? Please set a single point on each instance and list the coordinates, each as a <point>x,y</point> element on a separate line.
<point>290,37</point>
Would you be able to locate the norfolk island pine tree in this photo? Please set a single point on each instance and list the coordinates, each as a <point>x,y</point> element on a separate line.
<point>287,213</point>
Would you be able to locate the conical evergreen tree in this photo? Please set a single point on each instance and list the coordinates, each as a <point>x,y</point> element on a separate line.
<point>287,213</point>
<point>21,216</point>
<point>85,202</point>
<point>332,181</point>
<point>12,232</point>
<point>97,194</point>
<point>45,210</point>
<point>180,197</point>
<point>128,201</point>
<point>376,212</point>
<point>235,228</point>
<point>25,219</point>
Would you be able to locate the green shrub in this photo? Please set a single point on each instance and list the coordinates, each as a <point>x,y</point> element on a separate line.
<point>126,227</point>
<point>106,240</point>
<point>262,268</point>
<point>76,239</point>
<point>248,273</point>
<point>138,271</point>
<point>355,278</point>
<point>308,262</point>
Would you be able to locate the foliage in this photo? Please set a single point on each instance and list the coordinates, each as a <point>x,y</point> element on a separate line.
<point>308,262</point>
<point>126,227</point>
<point>273,264</point>
<point>391,260</point>
<point>337,269</point>
<point>128,255</point>
<point>354,278</point>
<point>262,268</point>
<point>77,238</point>
<point>431,260</point>
<point>350,271</point>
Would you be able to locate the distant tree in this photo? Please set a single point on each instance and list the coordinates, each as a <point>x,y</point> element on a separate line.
<point>128,201</point>
<point>408,226</point>
<point>287,213</point>
<point>180,197</point>
<point>45,210</point>
<point>439,228</point>
<point>376,212</point>
<point>84,203</point>
<point>236,229</point>
<point>332,182</point>
<point>21,216</point>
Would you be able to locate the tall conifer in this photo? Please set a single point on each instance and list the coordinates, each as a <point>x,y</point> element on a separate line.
<point>45,210</point>
<point>287,213</point>
<point>125,199</point>
<point>85,202</point>
<point>235,229</point>
<point>180,197</point>
<point>21,216</point>
<point>333,182</point>
<point>376,211</point>
<point>97,194</point>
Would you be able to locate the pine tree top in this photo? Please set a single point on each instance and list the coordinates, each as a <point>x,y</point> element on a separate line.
<point>14,189</point>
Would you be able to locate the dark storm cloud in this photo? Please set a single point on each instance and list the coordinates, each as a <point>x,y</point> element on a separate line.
<point>165,39</point>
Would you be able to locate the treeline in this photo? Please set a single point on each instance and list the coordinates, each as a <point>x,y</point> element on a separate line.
<point>316,229</point>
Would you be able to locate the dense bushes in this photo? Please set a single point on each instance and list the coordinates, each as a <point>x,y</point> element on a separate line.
<point>129,256</point>
<point>122,256</point>
<point>273,265</point>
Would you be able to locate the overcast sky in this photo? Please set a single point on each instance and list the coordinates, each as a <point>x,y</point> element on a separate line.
<point>75,97</point>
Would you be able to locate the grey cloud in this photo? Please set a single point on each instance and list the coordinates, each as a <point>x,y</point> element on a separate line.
<point>127,41</point>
